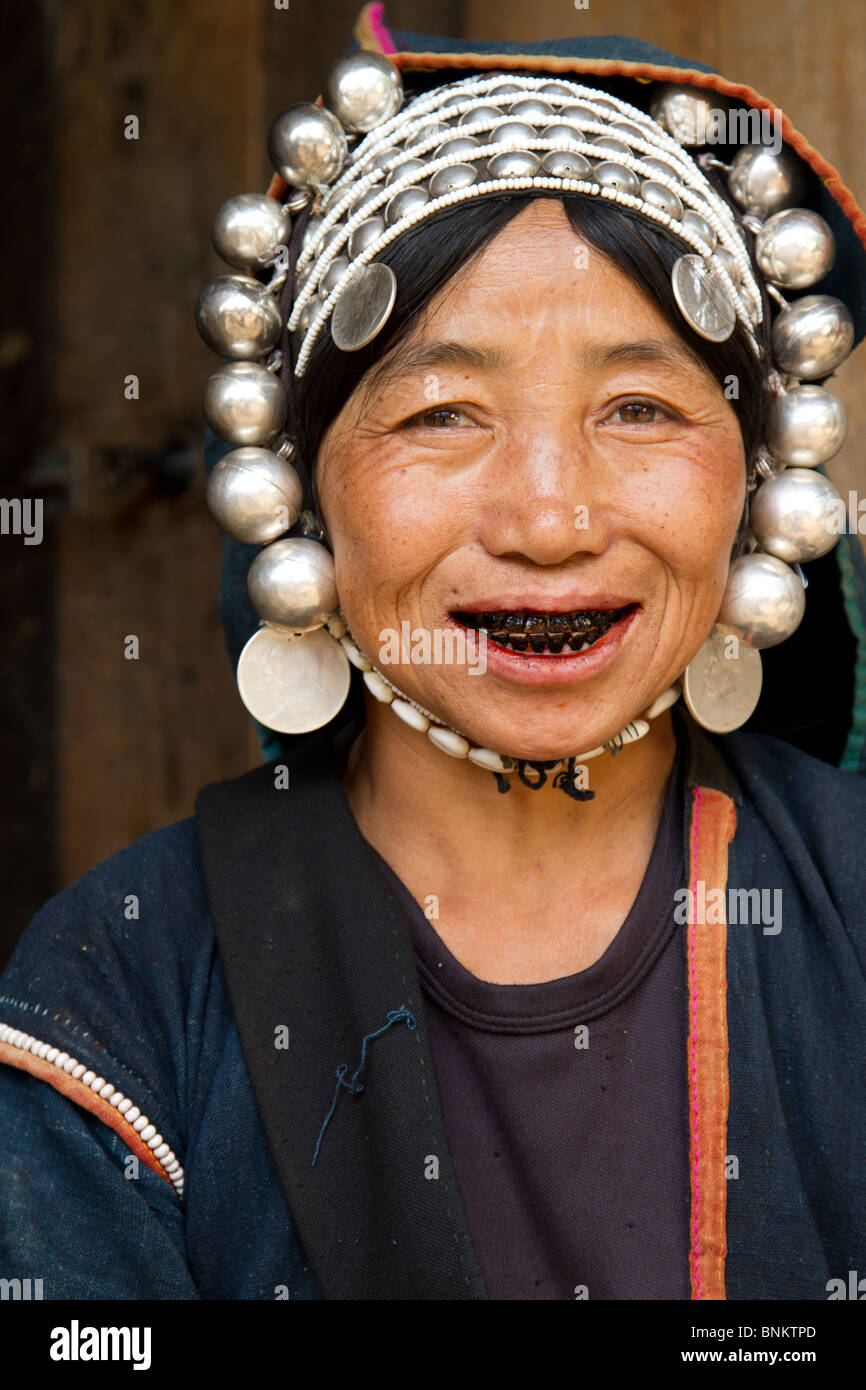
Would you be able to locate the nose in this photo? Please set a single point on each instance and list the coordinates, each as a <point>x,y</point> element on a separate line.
<point>548,500</point>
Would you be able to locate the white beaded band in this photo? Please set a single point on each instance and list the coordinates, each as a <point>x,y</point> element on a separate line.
<point>107,1091</point>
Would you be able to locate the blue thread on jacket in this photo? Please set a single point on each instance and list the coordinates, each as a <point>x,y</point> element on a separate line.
<point>354,1085</point>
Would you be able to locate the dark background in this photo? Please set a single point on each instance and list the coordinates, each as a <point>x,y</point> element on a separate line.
<point>107,247</point>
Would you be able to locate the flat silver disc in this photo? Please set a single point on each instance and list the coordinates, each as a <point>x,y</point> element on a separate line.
<point>364,307</point>
<point>722,683</point>
<point>703,299</point>
<point>293,683</point>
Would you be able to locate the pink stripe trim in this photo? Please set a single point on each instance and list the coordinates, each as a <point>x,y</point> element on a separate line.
<point>376,14</point>
<point>692,949</point>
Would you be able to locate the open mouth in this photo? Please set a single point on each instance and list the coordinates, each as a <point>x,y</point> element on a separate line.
<point>545,634</point>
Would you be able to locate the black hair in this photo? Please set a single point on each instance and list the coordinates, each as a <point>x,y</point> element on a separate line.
<point>428,255</point>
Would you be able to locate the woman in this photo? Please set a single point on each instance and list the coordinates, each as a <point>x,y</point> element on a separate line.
<point>514,978</point>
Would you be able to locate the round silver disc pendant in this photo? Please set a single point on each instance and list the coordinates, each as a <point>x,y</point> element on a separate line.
<point>722,683</point>
<point>364,307</point>
<point>702,298</point>
<point>293,683</point>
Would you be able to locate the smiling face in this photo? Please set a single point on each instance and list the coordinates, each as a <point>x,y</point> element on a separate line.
<point>542,443</point>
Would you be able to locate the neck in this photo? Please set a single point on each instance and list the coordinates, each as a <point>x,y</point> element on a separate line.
<point>443,826</point>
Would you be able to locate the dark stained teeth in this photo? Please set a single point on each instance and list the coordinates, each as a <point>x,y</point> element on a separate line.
<point>539,632</point>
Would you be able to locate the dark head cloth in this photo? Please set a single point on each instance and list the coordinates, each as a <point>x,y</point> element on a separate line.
<point>815,683</point>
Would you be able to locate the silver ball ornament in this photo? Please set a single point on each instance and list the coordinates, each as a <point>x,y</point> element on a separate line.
<point>686,113</point>
<point>307,145</point>
<point>762,183</point>
<point>812,336</point>
<point>796,515</point>
<point>807,426</point>
<point>254,495</point>
<point>795,248</point>
<point>764,600</point>
<point>248,229</point>
<point>292,584</point>
<point>237,317</point>
<point>244,403</point>
<point>363,90</point>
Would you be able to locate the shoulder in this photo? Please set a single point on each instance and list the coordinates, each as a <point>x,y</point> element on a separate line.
<point>773,772</point>
<point>119,971</point>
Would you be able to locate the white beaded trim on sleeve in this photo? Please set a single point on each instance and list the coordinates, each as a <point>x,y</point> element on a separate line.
<point>106,1090</point>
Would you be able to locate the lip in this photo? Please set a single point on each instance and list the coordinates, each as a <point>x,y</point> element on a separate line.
<point>533,601</point>
<point>549,668</point>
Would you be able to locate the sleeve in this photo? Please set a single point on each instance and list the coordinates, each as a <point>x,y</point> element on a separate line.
<point>102,1015</point>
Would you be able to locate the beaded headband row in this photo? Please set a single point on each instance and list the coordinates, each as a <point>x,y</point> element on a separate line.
<point>366,168</point>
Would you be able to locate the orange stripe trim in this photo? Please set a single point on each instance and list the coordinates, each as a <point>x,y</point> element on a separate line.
<point>88,1100</point>
<point>714,820</point>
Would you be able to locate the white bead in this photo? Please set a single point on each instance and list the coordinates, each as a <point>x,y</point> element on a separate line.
<point>490,761</point>
<point>88,1077</point>
<point>141,1123</point>
<point>61,1059</point>
<point>634,730</point>
<point>162,1151</point>
<point>410,715</point>
<point>124,1105</point>
<point>155,1139</point>
<point>148,1131</point>
<point>665,700</point>
<point>115,1098</point>
<point>51,1054</point>
<point>78,1073</point>
<point>97,1083</point>
<point>171,1167</point>
<point>378,687</point>
<point>132,1115</point>
<point>449,741</point>
<point>593,753</point>
<point>336,626</point>
<point>42,1050</point>
<point>71,1065</point>
<point>107,1090</point>
<point>356,657</point>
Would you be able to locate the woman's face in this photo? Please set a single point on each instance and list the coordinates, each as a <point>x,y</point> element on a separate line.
<point>543,443</point>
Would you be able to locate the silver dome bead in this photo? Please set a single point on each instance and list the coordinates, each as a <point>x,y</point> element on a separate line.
<point>762,182</point>
<point>426,132</point>
<point>308,313</point>
<point>659,196</point>
<point>335,272</point>
<point>807,426</point>
<point>311,232</point>
<point>566,164</point>
<point>795,248</point>
<point>455,176</point>
<point>412,167</point>
<point>555,89</point>
<point>700,226</point>
<point>684,111</point>
<point>254,495</point>
<point>578,112</point>
<point>612,175</point>
<point>513,164</point>
<point>404,203</point>
<point>364,200</point>
<point>458,147</point>
<point>531,110</point>
<point>292,584</point>
<point>764,600</point>
<point>627,131</point>
<point>307,145</point>
<point>790,515</point>
<point>512,134</point>
<point>248,229</point>
<point>722,256</point>
<point>364,235</point>
<point>381,158</point>
<point>237,317</point>
<point>661,166</point>
<point>363,90</point>
<point>509,89</point>
<point>608,147</point>
<point>244,403</point>
<point>565,136</point>
<point>812,336</point>
<point>481,113</point>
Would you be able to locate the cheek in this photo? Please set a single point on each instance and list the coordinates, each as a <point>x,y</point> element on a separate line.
<point>689,510</point>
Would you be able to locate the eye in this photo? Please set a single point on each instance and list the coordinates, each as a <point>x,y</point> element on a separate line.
<point>641,412</point>
<point>437,418</point>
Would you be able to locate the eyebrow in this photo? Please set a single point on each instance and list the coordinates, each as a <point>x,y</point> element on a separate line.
<point>490,359</point>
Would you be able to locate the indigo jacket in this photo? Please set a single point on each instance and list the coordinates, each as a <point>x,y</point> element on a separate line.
<point>266,947</point>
